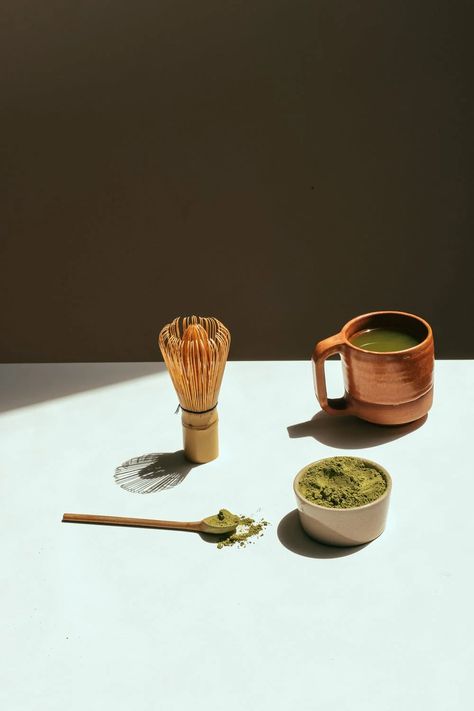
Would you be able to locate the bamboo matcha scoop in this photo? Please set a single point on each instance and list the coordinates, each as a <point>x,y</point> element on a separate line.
<point>223,522</point>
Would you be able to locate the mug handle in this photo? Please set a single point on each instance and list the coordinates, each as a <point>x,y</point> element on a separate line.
<point>322,351</point>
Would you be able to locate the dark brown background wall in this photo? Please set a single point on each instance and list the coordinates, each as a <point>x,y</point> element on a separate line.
<point>281,164</point>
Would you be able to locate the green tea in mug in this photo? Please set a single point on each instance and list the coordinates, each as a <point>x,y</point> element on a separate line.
<point>382,340</point>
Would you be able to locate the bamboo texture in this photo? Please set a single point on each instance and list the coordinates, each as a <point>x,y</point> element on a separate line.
<point>195,351</point>
<point>197,526</point>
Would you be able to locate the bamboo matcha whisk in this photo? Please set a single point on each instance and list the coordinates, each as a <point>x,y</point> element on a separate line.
<point>195,351</point>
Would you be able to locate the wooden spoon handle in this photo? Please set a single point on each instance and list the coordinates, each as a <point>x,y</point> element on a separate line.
<point>125,521</point>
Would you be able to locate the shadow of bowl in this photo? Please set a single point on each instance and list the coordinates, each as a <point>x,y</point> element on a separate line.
<point>292,536</point>
<point>350,432</point>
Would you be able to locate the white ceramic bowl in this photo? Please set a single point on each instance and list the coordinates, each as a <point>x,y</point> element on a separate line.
<point>344,527</point>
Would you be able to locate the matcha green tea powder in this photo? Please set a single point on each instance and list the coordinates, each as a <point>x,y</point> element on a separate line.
<point>342,482</point>
<point>247,530</point>
<point>223,519</point>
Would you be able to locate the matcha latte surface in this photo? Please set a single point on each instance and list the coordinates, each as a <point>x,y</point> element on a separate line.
<point>342,482</point>
<point>383,340</point>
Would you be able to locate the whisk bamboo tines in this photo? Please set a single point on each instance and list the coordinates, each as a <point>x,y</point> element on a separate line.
<point>195,350</point>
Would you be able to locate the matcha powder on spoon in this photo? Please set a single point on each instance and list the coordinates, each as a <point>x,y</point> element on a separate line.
<point>246,531</point>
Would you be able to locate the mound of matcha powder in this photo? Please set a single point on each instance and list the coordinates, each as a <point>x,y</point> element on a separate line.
<point>223,518</point>
<point>247,529</point>
<point>342,482</point>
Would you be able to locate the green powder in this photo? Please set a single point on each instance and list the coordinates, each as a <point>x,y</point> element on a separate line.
<point>224,518</point>
<point>342,483</point>
<point>247,529</point>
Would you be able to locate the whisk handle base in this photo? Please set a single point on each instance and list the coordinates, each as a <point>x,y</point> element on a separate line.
<point>200,436</point>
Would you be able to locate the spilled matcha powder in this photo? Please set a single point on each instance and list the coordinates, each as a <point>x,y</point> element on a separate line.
<point>245,529</point>
<point>342,483</point>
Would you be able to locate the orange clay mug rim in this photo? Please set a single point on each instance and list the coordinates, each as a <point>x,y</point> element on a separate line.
<point>346,328</point>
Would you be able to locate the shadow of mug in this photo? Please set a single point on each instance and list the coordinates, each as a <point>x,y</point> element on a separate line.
<point>350,432</point>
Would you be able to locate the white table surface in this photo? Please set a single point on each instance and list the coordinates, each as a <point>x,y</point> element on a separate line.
<point>108,618</point>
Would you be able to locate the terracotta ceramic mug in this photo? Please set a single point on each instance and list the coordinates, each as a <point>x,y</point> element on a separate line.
<point>388,388</point>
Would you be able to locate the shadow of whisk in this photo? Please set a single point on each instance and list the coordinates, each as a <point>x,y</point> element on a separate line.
<point>149,473</point>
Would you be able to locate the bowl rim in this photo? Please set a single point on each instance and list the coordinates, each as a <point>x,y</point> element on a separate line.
<point>339,510</point>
